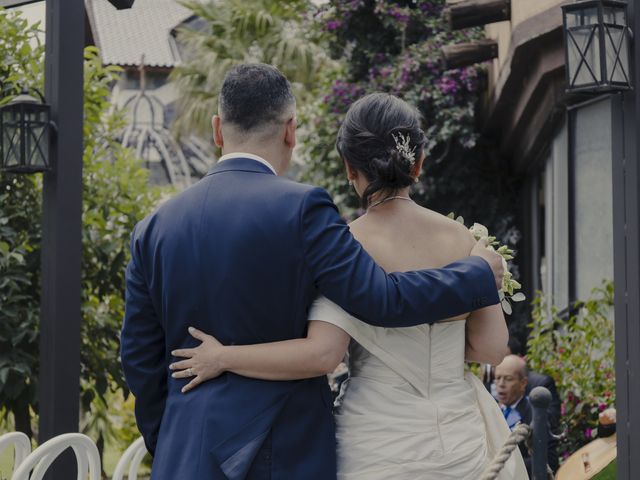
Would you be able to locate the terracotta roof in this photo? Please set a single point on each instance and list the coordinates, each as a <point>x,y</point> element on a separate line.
<point>123,36</point>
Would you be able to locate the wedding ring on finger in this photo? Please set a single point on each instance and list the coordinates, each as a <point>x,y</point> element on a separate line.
<point>190,372</point>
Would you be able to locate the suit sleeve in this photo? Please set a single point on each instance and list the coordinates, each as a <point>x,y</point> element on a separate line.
<point>142,352</point>
<point>348,276</point>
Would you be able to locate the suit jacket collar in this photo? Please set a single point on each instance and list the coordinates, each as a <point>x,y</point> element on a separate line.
<point>524,409</point>
<point>240,164</point>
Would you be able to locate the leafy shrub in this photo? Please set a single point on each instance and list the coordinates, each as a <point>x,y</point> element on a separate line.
<point>579,353</point>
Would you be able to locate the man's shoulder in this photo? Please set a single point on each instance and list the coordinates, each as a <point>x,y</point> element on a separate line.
<point>296,193</point>
<point>539,379</point>
<point>168,207</point>
<point>280,188</point>
<point>524,408</point>
<point>289,185</point>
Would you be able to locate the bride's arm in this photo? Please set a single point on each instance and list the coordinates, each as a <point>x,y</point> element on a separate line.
<point>486,332</point>
<point>317,354</point>
<point>486,336</point>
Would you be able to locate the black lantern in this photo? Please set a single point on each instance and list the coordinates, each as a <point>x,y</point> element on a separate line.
<point>596,46</point>
<point>25,129</point>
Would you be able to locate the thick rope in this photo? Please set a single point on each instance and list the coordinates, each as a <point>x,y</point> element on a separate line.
<point>518,434</point>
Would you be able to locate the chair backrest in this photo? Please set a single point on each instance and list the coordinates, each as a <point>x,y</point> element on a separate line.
<point>21,446</point>
<point>132,457</point>
<point>87,457</point>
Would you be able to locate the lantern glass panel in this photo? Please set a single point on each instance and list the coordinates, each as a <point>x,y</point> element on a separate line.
<point>24,137</point>
<point>614,16</point>
<point>583,42</point>
<point>37,139</point>
<point>617,54</point>
<point>581,18</point>
<point>11,137</point>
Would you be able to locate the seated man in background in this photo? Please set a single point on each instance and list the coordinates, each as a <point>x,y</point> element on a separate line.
<point>534,379</point>
<point>511,379</point>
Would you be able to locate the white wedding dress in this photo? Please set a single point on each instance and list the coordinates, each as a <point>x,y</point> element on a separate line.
<point>410,411</point>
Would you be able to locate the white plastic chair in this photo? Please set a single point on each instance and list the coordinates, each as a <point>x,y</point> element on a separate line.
<point>42,457</point>
<point>21,446</point>
<point>132,457</point>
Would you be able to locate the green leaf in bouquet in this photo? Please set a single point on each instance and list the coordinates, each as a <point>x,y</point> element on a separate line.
<point>518,297</point>
<point>506,306</point>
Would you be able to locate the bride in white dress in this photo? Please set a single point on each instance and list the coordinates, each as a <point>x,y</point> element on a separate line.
<point>410,411</point>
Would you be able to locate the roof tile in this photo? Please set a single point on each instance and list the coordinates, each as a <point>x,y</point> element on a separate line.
<point>123,36</point>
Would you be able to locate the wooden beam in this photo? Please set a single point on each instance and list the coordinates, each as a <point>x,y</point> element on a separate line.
<point>465,54</point>
<point>475,13</point>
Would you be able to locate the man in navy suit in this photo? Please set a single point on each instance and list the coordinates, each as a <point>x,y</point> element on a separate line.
<point>241,255</point>
<point>512,395</point>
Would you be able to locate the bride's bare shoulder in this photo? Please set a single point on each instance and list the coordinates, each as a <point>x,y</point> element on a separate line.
<point>449,229</point>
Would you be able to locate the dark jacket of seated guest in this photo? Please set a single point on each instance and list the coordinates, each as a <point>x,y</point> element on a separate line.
<point>534,380</point>
<point>511,382</point>
<point>525,410</point>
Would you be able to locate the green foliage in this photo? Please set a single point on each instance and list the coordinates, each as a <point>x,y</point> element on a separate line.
<point>19,294</point>
<point>21,54</point>
<point>116,195</point>
<point>239,31</point>
<point>579,353</point>
<point>21,68</point>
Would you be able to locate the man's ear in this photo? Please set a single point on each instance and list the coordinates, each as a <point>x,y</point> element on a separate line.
<point>290,133</point>
<point>217,131</point>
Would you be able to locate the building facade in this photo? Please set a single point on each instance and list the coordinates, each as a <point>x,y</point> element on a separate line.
<point>142,40</point>
<point>579,205</point>
<point>561,145</point>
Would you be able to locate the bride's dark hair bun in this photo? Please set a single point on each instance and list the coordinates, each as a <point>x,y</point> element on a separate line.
<point>381,138</point>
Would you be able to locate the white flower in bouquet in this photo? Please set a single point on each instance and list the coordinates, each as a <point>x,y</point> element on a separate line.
<point>479,231</point>
<point>508,292</point>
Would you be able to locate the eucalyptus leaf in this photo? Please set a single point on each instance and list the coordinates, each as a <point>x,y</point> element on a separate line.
<point>506,306</point>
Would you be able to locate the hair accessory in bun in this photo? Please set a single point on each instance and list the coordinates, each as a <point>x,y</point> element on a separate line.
<point>403,144</point>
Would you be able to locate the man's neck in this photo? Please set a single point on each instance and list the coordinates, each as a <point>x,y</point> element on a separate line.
<point>268,156</point>
<point>515,404</point>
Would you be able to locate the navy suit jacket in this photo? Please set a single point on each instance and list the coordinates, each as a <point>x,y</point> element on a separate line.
<point>241,255</point>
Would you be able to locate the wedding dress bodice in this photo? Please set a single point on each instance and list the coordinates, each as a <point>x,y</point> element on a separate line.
<point>409,410</point>
<point>429,357</point>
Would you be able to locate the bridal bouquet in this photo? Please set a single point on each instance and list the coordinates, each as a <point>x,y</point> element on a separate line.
<point>508,292</point>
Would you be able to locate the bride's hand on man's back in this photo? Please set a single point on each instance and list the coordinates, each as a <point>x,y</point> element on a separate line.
<point>202,362</point>
<point>493,259</point>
